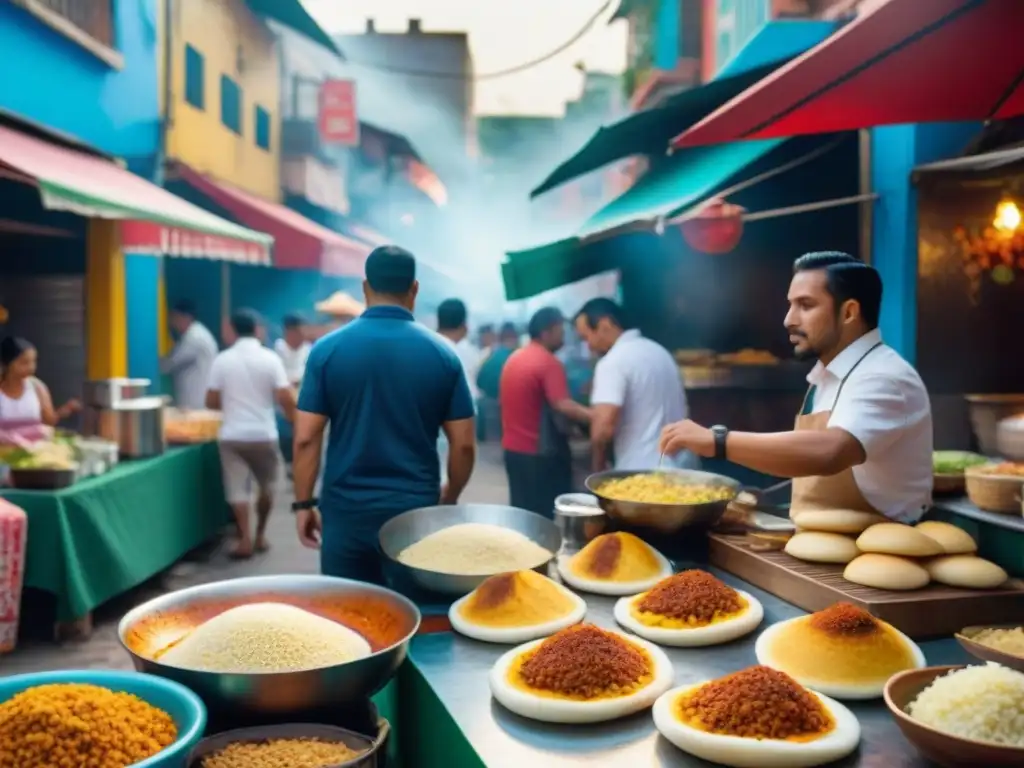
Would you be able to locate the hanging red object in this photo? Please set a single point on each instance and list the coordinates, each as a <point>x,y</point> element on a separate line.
<point>716,228</point>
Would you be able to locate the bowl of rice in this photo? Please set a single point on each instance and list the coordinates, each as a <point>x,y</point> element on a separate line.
<point>274,644</point>
<point>1001,643</point>
<point>960,716</point>
<point>450,550</point>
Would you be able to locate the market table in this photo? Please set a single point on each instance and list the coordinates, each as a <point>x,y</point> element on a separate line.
<point>448,717</point>
<point>104,535</point>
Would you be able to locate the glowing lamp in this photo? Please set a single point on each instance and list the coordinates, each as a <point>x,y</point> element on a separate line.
<point>1007,218</point>
<point>716,228</point>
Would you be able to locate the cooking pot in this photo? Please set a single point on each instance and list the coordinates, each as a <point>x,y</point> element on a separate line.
<point>108,392</point>
<point>137,426</point>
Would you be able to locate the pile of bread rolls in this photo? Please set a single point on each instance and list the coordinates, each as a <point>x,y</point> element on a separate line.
<point>885,555</point>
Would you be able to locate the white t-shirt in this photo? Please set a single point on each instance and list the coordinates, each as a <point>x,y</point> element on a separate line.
<point>640,377</point>
<point>294,359</point>
<point>885,405</point>
<point>472,358</point>
<point>189,365</point>
<point>248,375</point>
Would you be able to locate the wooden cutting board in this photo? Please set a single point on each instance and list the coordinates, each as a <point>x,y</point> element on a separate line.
<point>924,613</point>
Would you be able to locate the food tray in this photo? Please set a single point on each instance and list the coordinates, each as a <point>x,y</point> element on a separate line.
<point>930,612</point>
<point>372,757</point>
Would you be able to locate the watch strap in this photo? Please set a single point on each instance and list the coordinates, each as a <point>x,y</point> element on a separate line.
<point>298,506</point>
<point>721,434</point>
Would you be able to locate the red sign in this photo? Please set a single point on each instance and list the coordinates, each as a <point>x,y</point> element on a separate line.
<point>337,118</point>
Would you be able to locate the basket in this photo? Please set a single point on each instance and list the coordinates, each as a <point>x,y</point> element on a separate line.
<point>994,493</point>
<point>948,484</point>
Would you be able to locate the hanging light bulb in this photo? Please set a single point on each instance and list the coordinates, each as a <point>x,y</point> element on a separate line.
<point>1007,218</point>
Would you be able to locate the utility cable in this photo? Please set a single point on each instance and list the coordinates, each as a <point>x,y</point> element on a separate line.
<point>594,18</point>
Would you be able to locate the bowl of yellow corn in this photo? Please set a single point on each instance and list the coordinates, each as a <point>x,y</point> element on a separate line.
<point>663,500</point>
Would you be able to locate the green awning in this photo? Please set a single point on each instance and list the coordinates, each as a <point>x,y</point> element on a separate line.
<point>681,181</point>
<point>649,132</point>
<point>293,15</point>
<point>685,179</point>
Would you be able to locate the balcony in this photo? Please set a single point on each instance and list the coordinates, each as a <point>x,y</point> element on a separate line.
<point>90,23</point>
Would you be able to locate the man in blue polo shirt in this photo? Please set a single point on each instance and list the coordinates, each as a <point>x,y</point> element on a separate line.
<point>387,386</point>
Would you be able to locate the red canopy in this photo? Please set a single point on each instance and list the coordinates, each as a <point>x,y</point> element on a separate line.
<point>899,61</point>
<point>299,243</point>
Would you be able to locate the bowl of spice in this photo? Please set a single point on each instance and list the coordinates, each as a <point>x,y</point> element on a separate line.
<point>147,722</point>
<point>292,745</point>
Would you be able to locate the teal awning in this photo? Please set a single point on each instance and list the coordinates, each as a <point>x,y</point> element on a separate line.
<point>649,132</point>
<point>293,15</point>
<point>679,182</point>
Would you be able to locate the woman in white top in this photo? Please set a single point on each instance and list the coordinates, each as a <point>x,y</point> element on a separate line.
<point>25,402</point>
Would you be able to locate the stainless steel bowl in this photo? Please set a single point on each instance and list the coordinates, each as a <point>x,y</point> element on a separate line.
<point>664,518</point>
<point>386,619</point>
<point>580,520</point>
<point>413,526</point>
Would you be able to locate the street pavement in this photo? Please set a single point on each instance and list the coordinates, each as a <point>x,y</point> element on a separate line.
<point>102,649</point>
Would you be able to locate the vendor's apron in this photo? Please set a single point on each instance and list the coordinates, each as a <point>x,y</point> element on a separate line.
<point>837,491</point>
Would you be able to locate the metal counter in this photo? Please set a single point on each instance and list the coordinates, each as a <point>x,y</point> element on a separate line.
<point>456,669</point>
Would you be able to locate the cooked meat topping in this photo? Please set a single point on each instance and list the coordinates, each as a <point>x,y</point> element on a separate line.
<point>844,619</point>
<point>691,594</point>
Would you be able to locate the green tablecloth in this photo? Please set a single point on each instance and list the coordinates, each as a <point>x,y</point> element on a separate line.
<point>104,535</point>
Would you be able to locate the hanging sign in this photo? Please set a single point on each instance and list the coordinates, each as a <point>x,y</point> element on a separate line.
<point>337,117</point>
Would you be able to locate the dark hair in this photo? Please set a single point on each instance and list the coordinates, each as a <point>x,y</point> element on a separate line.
<point>13,347</point>
<point>508,329</point>
<point>245,322</point>
<point>184,307</point>
<point>598,309</point>
<point>488,328</point>
<point>451,314</point>
<point>293,321</point>
<point>544,320</point>
<point>390,270</point>
<point>846,278</point>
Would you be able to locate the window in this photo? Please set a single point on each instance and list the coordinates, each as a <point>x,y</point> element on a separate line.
<point>195,72</point>
<point>231,104</point>
<point>262,128</point>
<point>94,17</point>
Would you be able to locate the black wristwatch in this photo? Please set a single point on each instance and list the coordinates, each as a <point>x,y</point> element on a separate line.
<point>298,506</point>
<point>720,433</point>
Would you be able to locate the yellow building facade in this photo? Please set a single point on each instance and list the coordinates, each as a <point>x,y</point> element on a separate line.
<point>224,95</point>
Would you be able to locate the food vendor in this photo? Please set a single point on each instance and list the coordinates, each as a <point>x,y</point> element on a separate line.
<point>190,360</point>
<point>25,402</point>
<point>863,439</point>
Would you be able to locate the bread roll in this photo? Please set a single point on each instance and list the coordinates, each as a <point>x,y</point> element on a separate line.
<point>966,571</point>
<point>836,520</point>
<point>818,547</point>
<point>898,539</point>
<point>953,540</point>
<point>886,572</point>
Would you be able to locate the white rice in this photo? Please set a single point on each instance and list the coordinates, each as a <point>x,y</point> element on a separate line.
<point>984,703</point>
<point>264,638</point>
<point>474,549</point>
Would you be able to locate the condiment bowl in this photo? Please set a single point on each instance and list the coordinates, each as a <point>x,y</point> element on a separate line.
<point>410,527</point>
<point>966,639</point>
<point>384,618</point>
<point>942,748</point>
<point>370,749</point>
<point>176,700</point>
<point>642,517</point>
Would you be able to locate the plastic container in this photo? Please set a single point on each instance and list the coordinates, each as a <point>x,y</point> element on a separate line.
<point>179,702</point>
<point>13,538</point>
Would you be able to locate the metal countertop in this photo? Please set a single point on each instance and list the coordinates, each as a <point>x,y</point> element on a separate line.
<point>456,668</point>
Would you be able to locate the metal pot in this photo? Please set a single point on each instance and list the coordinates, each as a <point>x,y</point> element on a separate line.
<point>137,426</point>
<point>105,393</point>
<point>580,520</point>
<point>371,750</point>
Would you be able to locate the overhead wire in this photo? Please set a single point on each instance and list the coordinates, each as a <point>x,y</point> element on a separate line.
<point>587,26</point>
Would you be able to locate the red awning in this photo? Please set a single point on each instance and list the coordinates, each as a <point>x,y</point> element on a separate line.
<point>899,61</point>
<point>299,243</point>
<point>152,219</point>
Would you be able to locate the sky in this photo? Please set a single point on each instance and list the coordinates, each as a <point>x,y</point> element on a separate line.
<point>501,35</point>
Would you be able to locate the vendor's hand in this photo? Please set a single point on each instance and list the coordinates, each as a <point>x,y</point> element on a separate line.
<point>74,405</point>
<point>687,436</point>
<point>309,527</point>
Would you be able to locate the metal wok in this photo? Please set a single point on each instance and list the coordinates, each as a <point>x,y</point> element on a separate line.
<point>413,526</point>
<point>642,517</point>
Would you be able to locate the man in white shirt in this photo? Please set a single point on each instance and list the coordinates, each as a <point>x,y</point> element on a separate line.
<point>189,362</point>
<point>863,439</point>
<point>293,348</point>
<point>453,328</point>
<point>637,391</point>
<point>247,381</point>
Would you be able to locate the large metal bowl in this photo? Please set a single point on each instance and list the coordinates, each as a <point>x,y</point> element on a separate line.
<point>385,619</point>
<point>643,517</point>
<point>413,526</point>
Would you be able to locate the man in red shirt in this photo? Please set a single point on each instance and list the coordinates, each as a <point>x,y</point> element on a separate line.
<point>536,413</point>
